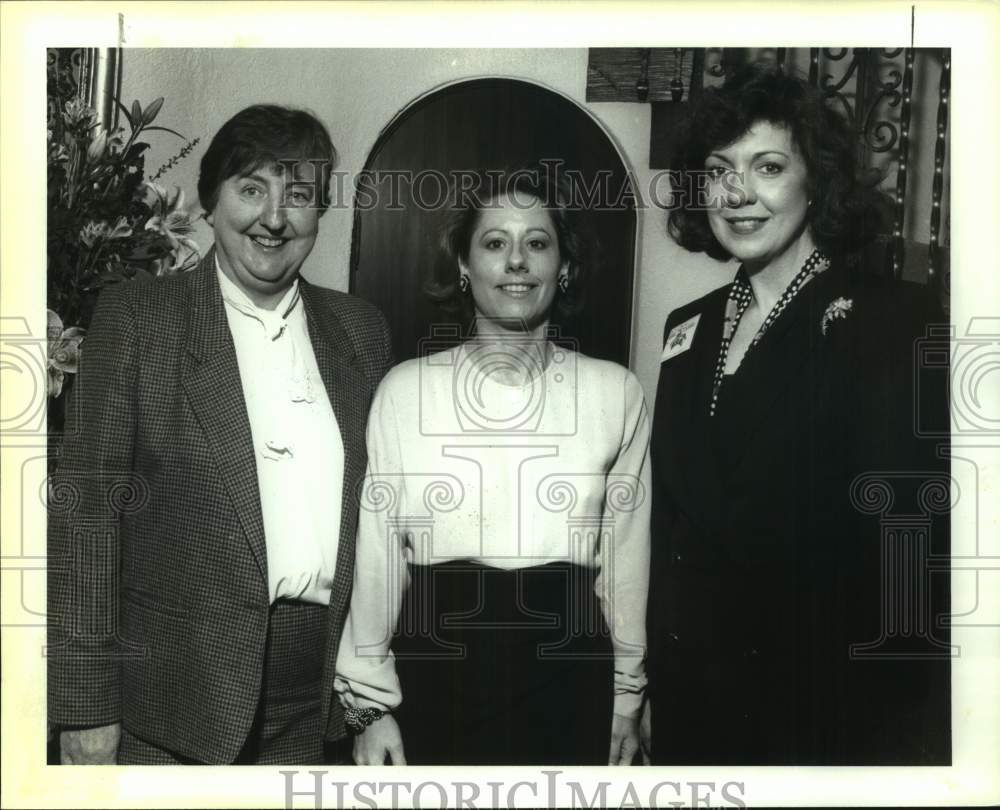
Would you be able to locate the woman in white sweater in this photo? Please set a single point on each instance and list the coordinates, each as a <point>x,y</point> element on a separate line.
<point>498,609</point>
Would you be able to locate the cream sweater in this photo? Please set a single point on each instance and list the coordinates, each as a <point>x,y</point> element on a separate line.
<point>462,467</point>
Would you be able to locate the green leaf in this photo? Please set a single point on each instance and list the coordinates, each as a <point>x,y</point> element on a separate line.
<point>128,115</point>
<point>165,129</point>
<point>151,111</point>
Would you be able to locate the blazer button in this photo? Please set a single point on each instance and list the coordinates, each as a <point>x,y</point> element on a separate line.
<point>677,557</point>
<point>675,638</point>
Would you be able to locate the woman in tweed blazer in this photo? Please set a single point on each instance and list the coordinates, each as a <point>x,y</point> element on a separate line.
<point>176,631</point>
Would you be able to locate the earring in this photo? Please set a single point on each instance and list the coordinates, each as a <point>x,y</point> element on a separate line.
<point>563,283</point>
<point>463,283</point>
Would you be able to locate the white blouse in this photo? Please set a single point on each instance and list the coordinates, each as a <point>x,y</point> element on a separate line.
<point>462,467</point>
<point>298,449</point>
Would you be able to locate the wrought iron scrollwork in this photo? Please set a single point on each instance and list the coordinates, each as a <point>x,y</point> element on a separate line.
<point>831,89</point>
<point>715,62</point>
<point>937,190</point>
<point>880,134</point>
<point>904,159</point>
<point>836,54</point>
<point>873,89</point>
<point>814,66</point>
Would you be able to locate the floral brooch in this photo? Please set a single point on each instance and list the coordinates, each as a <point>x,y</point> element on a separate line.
<point>838,309</point>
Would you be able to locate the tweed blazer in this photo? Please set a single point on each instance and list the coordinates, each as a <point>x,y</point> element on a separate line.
<point>158,602</point>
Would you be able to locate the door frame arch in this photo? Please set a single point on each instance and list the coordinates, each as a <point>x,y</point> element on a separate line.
<point>466,79</point>
<point>403,111</point>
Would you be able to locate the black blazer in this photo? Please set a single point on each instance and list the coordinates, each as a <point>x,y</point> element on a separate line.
<point>768,538</point>
<point>158,602</point>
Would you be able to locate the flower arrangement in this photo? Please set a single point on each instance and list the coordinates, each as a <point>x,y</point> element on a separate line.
<point>106,223</point>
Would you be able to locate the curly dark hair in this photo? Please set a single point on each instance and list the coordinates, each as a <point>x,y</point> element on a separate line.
<point>470,193</point>
<point>262,135</point>
<point>844,214</point>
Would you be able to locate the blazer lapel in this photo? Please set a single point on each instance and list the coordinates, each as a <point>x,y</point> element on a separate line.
<point>778,366</point>
<point>350,393</point>
<point>693,468</point>
<point>215,391</point>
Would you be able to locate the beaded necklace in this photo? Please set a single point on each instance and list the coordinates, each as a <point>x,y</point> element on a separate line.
<point>741,296</point>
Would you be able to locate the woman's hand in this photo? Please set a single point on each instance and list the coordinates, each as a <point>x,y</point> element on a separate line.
<point>624,740</point>
<point>91,746</point>
<point>380,739</point>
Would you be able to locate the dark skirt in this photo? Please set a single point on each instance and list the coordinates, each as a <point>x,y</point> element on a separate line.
<point>761,673</point>
<point>504,667</point>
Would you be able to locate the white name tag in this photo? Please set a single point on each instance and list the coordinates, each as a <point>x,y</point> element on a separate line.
<point>680,338</point>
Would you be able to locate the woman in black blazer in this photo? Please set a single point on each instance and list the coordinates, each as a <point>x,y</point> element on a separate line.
<point>783,628</point>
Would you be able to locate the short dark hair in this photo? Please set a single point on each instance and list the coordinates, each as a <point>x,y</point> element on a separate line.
<point>470,193</point>
<point>843,216</point>
<point>262,135</point>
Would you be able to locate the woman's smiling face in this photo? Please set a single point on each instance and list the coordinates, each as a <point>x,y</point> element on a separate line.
<point>760,190</point>
<point>514,263</point>
<point>265,225</point>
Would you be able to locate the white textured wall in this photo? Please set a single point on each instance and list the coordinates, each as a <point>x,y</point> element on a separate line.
<point>356,92</point>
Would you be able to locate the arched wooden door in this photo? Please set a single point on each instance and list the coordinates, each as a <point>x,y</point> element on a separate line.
<point>488,124</point>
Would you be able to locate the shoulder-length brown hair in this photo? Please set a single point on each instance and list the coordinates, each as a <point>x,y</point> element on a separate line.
<point>843,215</point>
